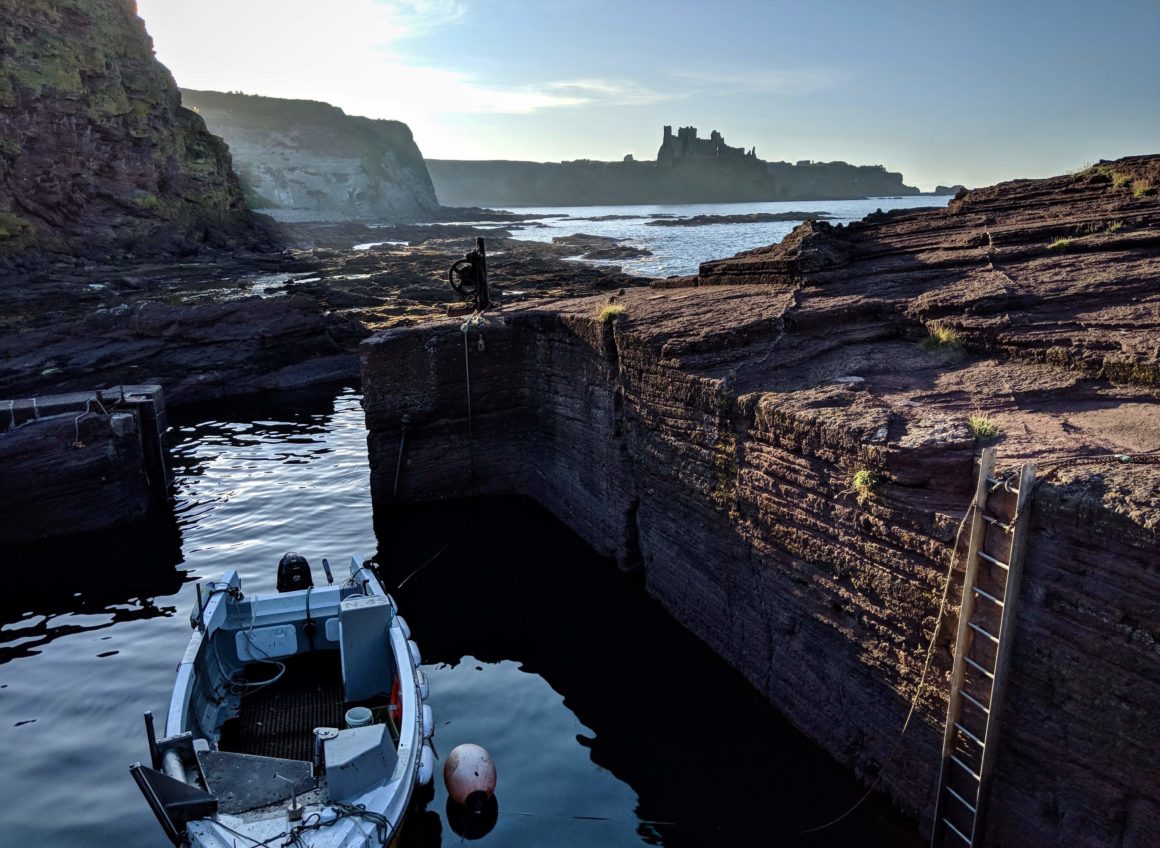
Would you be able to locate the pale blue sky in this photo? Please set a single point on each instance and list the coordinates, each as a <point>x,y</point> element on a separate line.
<point>942,90</point>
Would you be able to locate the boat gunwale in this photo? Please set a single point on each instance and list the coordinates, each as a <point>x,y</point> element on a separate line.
<point>390,797</point>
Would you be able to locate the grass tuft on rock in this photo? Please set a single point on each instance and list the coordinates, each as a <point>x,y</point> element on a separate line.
<point>983,426</point>
<point>942,338</point>
<point>863,483</point>
<point>612,312</point>
<point>1061,244</point>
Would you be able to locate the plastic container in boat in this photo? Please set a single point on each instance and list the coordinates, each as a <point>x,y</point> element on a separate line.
<point>358,717</point>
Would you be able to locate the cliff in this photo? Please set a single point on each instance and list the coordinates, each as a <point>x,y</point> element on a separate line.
<point>688,169</point>
<point>97,156</point>
<point>710,435</point>
<point>312,160</point>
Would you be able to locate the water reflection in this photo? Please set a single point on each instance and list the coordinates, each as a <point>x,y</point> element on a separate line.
<point>88,584</point>
<point>91,628</point>
<point>609,723</point>
<point>706,760</point>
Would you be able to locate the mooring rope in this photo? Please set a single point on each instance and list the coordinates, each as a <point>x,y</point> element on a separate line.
<point>403,422</point>
<point>1151,457</point>
<point>921,680</point>
<point>467,368</point>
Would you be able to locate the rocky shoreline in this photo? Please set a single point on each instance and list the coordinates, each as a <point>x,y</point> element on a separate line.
<point>710,430</point>
<point>225,324</point>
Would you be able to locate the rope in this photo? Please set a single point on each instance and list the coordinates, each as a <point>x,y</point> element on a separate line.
<point>1057,464</point>
<point>87,411</point>
<point>921,680</point>
<point>465,328</point>
<point>474,321</point>
<point>406,419</point>
<point>424,565</point>
<point>1151,457</point>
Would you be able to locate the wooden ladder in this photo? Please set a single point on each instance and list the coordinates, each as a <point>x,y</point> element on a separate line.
<point>986,631</point>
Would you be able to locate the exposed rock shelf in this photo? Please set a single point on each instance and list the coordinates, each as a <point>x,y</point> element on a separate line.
<point>211,329</point>
<point>711,433</point>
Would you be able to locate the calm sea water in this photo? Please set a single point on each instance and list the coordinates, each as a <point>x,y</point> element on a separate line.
<point>610,724</point>
<point>680,250</point>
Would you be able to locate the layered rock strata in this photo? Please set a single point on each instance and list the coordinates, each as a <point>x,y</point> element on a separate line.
<point>97,155</point>
<point>312,161</point>
<point>711,433</point>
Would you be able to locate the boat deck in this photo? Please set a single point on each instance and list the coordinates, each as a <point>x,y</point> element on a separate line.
<point>278,720</point>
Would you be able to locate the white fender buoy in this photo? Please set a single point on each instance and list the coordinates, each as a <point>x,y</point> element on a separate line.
<point>404,626</point>
<point>424,687</point>
<point>427,722</point>
<point>426,765</point>
<point>416,657</point>
<point>469,774</point>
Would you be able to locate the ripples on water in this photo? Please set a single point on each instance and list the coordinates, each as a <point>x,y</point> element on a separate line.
<point>609,723</point>
<point>681,250</point>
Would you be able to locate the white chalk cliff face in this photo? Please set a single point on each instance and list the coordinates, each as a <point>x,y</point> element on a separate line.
<point>307,160</point>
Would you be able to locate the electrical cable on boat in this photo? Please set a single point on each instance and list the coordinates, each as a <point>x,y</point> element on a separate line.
<point>245,687</point>
<point>352,581</point>
<point>384,829</point>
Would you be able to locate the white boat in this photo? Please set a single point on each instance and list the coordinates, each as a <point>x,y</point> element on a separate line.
<point>298,718</point>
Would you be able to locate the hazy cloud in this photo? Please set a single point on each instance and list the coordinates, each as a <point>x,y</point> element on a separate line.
<point>784,81</point>
<point>420,17</point>
<point>610,92</point>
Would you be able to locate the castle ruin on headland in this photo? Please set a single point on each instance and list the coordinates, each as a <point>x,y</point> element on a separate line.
<point>686,145</point>
<point>687,169</point>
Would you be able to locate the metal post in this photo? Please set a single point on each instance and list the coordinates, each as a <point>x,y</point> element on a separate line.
<point>482,299</point>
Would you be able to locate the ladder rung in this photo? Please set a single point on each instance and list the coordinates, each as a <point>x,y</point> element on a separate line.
<point>996,522</point>
<point>970,735</point>
<point>992,560</point>
<point>957,832</point>
<point>974,701</point>
<point>965,767</point>
<point>983,632</point>
<point>977,667</point>
<point>962,800</point>
<point>984,594</point>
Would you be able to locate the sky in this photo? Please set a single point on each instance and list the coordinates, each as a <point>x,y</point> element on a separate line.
<point>945,91</point>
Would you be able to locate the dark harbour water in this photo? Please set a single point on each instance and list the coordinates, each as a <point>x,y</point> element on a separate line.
<point>609,723</point>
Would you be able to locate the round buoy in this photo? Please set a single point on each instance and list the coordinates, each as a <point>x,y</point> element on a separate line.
<point>469,774</point>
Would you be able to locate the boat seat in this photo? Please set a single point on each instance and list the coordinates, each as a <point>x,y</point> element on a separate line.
<point>368,666</point>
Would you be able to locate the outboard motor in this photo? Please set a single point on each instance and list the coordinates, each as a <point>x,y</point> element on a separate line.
<point>294,573</point>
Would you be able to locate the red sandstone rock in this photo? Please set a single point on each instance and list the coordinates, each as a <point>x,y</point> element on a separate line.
<point>711,433</point>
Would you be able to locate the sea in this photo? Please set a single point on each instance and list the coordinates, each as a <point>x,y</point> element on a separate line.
<point>609,723</point>
<point>681,249</point>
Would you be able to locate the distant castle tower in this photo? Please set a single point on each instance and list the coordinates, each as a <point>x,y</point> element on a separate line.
<point>686,145</point>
